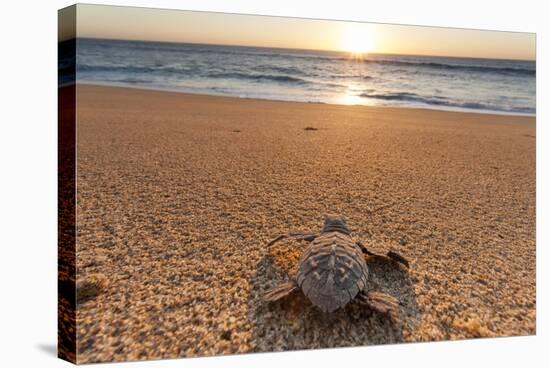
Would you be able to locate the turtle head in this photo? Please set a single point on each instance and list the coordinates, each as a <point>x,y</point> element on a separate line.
<point>336,223</point>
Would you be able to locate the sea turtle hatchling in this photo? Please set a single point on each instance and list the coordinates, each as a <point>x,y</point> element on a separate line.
<point>333,270</point>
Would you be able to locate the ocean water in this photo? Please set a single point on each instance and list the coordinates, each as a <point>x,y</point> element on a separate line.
<point>486,85</point>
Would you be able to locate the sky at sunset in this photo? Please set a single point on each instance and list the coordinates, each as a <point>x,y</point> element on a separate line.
<point>148,24</point>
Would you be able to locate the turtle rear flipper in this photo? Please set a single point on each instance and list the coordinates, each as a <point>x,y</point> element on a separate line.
<point>380,302</point>
<point>280,291</point>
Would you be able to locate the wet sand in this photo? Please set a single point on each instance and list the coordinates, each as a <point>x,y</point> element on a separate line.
<point>178,195</point>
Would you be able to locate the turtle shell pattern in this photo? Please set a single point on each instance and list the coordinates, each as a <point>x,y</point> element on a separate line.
<point>332,271</point>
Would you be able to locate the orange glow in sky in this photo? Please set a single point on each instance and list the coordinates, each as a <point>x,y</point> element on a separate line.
<point>358,38</point>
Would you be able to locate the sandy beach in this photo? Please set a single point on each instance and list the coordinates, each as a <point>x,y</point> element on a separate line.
<point>178,194</point>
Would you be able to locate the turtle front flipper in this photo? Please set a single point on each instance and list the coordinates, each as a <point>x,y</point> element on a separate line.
<point>380,302</point>
<point>294,236</point>
<point>391,256</point>
<point>398,258</point>
<point>280,291</point>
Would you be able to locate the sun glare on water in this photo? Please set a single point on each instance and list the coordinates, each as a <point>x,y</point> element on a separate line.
<point>358,40</point>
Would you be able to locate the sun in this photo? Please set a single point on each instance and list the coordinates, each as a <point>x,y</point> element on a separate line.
<point>358,40</point>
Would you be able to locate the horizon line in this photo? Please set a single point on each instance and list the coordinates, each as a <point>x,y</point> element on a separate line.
<point>295,48</point>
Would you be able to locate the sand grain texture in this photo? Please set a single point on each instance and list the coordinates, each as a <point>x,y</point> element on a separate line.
<point>178,195</point>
